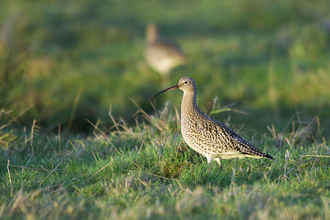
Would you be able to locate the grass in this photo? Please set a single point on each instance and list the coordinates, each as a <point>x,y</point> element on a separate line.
<point>72,76</point>
<point>146,171</point>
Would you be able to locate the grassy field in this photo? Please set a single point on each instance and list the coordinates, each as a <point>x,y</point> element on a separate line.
<point>79,139</point>
<point>147,172</point>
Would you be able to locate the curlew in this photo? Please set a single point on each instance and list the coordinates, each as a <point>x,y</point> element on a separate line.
<point>209,137</point>
<point>161,55</point>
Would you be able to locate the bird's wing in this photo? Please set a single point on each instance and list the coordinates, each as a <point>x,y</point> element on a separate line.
<point>226,139</point>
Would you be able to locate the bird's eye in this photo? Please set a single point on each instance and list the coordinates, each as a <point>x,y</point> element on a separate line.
<point>186,82</point>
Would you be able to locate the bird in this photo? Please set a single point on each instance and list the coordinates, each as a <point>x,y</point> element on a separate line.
<point>161,55</point>
<point>207,136</point>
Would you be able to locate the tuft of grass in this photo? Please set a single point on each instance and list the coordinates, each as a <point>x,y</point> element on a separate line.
<point>301,132</point>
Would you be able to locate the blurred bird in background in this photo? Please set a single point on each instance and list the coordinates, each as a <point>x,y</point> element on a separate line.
<point>162,55</point>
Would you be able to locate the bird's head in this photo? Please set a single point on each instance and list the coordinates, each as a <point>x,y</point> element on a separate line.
<point>186,84</point>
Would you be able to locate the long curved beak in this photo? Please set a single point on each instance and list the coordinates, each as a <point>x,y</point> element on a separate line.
<point>165,90</point>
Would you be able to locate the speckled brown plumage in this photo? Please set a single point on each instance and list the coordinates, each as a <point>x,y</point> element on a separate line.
<point>207,136</point>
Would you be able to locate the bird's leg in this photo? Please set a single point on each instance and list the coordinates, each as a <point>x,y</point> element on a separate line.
<point>219,162</point>
<point>209,161</point>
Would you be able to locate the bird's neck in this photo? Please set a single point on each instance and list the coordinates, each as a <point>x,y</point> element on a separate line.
<point>189,104</point>
<point>152,35</point>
